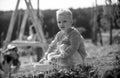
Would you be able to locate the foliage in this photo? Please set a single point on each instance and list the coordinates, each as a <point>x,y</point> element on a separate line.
<point>82,18</point>
<point>79,71</point>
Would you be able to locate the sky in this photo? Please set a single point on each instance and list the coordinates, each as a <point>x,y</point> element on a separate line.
<point>6,5</point>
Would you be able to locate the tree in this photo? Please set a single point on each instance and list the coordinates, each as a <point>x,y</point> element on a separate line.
<point>110,17</point>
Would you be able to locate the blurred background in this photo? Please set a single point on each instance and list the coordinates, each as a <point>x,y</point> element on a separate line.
<point>92,17</point>
<point>97,20</point>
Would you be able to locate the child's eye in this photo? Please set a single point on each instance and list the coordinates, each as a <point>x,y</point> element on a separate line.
<point>64,21</point>
<point>59,21</point>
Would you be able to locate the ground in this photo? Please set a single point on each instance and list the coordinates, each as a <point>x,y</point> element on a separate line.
<point>102,57</point>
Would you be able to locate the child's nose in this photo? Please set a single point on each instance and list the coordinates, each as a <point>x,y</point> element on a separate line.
<point>62,24</point>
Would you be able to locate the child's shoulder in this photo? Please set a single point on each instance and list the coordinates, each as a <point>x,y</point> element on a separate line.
<point>74,31</point>
<point>59,33</point>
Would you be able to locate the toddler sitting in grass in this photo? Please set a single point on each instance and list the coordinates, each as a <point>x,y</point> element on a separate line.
<point>68,46</point>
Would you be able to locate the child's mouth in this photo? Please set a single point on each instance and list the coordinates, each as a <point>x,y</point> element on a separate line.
<point>62,27</point>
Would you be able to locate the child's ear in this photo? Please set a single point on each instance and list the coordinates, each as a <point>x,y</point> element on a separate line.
<point>72,24</point>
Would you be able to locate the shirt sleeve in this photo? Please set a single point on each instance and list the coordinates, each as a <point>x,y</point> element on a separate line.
<point>81,49</point>
<point>74,44</point>
<point>53,45</point>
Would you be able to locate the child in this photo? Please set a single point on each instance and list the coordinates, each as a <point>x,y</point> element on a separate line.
<point>67,42</point>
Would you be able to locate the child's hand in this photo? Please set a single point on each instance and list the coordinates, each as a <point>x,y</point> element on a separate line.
<point>42,60</point>
<point>54,59</point>
<point>46,56</point>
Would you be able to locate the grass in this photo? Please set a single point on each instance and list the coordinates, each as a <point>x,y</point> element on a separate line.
<point>101,57</point>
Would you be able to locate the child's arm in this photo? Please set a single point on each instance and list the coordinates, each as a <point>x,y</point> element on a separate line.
<point>81,49</point>
<point>53,45</point>
<point>51,48</point>
<point>74,44</point>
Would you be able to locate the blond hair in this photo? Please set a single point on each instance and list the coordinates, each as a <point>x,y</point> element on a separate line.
<point>64,12</point>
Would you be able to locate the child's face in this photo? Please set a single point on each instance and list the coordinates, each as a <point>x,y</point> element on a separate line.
<point>64,22</point>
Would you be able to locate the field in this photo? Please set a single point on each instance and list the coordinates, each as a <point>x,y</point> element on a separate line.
<point>102,58</point>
